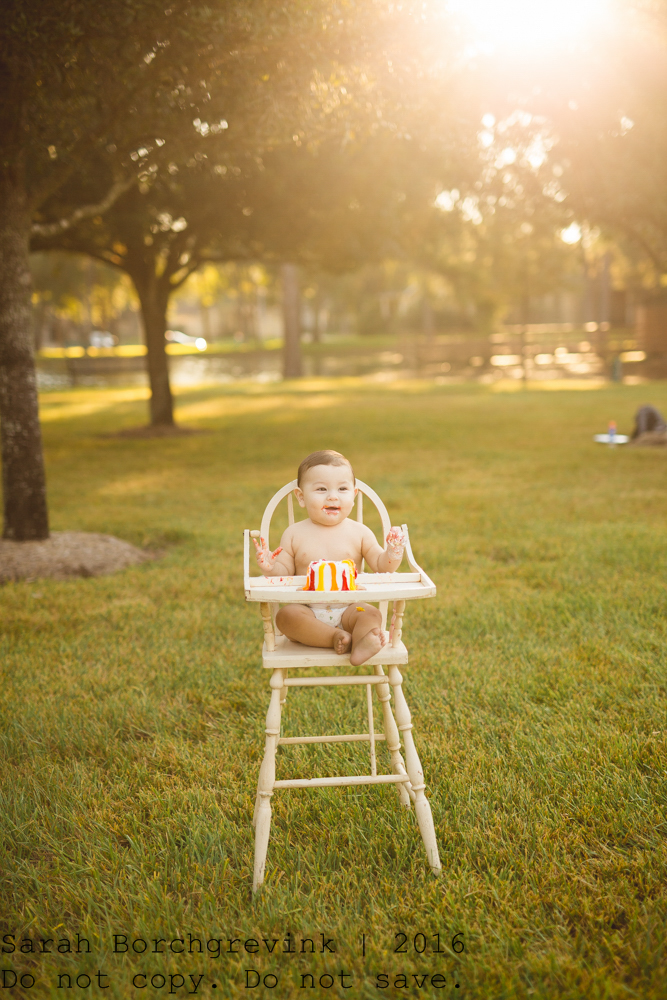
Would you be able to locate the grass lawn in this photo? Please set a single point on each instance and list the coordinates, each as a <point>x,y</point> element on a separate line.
<point>133,708</point>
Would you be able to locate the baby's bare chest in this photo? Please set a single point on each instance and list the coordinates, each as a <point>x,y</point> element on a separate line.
<point>326,544</point>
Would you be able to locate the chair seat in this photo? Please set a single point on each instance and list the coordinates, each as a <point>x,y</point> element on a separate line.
<point>289,655</point>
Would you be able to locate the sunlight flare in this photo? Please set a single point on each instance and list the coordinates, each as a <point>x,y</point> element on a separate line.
<point>525,24</point>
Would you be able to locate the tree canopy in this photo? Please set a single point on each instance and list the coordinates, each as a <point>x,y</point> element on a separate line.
<point>118,89</point>
<point>157,138</point>
<point>333,191</point>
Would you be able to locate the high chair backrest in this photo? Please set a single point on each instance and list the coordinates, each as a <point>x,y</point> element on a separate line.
<point>287,491</point>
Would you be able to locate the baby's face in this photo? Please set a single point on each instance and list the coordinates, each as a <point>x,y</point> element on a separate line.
<point>327,492</point>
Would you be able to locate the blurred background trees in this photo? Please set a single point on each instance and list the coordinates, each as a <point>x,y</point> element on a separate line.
<point>459,185</point>
<point>370,170</point>
<point>310,166</point>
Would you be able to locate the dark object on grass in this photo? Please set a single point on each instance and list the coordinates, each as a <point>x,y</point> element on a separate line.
<point>648,418</point>
<point>650,427</point>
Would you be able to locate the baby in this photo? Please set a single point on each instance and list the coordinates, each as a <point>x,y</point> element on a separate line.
<point>326,489</point>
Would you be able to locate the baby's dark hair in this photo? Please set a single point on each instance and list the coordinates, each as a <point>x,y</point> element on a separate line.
<point>327,457</point>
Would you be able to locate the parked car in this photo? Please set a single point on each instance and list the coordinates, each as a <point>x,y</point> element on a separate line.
<point>178,337</point>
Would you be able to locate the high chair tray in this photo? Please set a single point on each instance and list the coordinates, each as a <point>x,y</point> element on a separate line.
<point>400,587</point>
<point>412,585</point>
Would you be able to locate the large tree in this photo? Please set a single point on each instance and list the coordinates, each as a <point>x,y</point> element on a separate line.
<point>321,180</point>
<point>159,236</point>
<point>612,143</point>
<point>497,239</point>
<point>594,113</point>
<point>82,83</point>
<point>116,89</point>
<point>334,206</point>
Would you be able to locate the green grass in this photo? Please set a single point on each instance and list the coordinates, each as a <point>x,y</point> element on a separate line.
<point>133,705</point>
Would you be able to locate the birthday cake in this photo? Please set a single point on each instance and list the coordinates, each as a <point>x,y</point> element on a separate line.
<point>325,574</point>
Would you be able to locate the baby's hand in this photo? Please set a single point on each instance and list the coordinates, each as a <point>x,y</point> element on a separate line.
<point>265,559</point>
<point>396,543</point>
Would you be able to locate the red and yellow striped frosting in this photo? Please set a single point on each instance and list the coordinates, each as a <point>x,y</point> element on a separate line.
<point>326,574</point>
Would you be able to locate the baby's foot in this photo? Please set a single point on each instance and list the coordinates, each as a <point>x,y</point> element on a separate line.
<point>342,641</point>
<point>368,646</point>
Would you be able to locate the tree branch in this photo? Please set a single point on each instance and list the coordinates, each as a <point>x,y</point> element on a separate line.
<point>195,262</point>
<point>117,109</point>
<point>189,269</point>
<point>85,212</point>
<point>654,255</point>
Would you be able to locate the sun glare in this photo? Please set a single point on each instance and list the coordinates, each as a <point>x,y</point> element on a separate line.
<point>572,234</point>
<point>529,23</point>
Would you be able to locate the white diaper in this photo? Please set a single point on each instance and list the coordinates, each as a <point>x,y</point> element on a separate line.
<point>330,614</point>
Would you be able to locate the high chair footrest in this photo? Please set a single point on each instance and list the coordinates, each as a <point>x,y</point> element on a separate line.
<point>357,779</point>
<point>351,738</point>
<point>290,655</point>
<point>337,679</point>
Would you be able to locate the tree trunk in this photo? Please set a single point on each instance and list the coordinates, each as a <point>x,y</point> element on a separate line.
<point>428,322</point>
<point>604,314</point>
<point>154,298</point>
<point>205,314</point>
<point>292,321</point>
<point>317,309</point>
<point>23,479</point>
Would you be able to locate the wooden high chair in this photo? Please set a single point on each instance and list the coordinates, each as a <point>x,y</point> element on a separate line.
<point>281,656</point>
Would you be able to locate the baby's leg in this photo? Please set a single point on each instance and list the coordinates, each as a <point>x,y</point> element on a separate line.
<point>299,624</point>
<point>365,623</point>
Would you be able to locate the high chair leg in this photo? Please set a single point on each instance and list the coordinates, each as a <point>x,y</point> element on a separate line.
<point>393,739</point>
<point>267,777</point>
<point>422,807</point>
<point>283,699</point>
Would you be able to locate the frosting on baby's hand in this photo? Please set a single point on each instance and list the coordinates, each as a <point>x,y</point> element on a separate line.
<point>396,543</point>
<point>265,558</point>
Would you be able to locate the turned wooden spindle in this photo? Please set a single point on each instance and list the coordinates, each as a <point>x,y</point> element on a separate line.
<point>269,634</point>
<point>413,764</point>
<point>397,623</point>
<point>267,777</point>
<point>392,737</point>
<point>371,728</point>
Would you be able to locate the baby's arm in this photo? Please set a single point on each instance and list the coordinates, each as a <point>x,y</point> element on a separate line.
<point>268,561</point>
<point>383,560</point>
